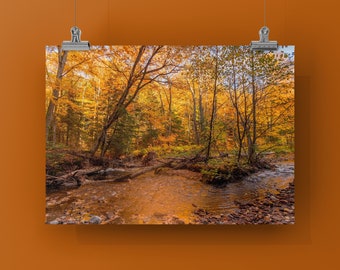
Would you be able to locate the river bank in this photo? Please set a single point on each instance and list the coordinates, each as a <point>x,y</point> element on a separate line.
<point>274,208</point>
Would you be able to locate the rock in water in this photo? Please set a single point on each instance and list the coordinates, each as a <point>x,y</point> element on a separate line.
<point>95,220</point>
<point>54,222</point>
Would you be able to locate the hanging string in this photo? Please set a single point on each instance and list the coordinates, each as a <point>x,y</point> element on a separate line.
<point>264,13</point>
<point>75,12</point>
<point>109,19</point>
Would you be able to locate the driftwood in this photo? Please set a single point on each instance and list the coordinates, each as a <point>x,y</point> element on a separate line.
<point>131,175</point>
<point>73,178</point>
<point>140,172</point>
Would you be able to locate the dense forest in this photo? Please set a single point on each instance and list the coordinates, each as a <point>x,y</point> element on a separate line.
<point>120,101</point>
<point>205,132</point>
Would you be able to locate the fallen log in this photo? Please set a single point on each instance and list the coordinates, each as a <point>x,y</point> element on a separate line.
<point>140,172</point>
<point>128,176</point>
<point>98,174</point>
<point>79,177</point>
<point>73,178</point>
<point>105,173</point>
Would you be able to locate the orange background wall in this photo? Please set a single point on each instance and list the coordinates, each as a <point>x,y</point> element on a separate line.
<point>27,243</point>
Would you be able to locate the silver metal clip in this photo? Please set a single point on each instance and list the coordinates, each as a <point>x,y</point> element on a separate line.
<point>264,44</point>
<point>75,44</point>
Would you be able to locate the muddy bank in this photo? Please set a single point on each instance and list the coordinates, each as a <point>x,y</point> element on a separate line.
<point>274,208</point>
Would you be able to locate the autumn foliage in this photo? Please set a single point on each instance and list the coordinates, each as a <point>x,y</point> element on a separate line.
<point>118,101</point>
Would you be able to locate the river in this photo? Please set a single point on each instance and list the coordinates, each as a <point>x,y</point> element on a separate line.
<point>171,197</point>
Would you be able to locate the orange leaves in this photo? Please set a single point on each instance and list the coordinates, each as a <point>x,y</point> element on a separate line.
<point>166,95</point>
<point>167,139</point>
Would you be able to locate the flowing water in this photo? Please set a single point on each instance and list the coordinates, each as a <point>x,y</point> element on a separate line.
<point>156,199</point>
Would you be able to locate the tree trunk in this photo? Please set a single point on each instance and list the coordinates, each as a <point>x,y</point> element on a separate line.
<point>252,139</point>
<point>235,101</point>
<point>194,112</point>
<point>201,112</point>
<point>119,106</point>
<point>127,175</point>
<point>135,80</point>
<point>62,57</point>
<point>213,109</point>
<point>170,110</point>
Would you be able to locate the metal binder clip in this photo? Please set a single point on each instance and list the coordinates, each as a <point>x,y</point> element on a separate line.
<point>75,44</point>
<point>264,44</point>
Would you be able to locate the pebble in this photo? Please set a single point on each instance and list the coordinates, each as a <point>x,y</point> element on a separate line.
<point>54,222</point>
<point>95,220</point>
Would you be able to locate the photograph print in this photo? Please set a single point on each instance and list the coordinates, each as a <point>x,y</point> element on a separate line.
<point>170,135</point>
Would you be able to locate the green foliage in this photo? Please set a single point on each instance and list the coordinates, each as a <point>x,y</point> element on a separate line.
<point>149,137</point>
<point>210,172</point>
<point>121,140</point>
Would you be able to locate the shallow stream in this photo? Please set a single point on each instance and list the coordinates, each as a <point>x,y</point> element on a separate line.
<point>158,199</point>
